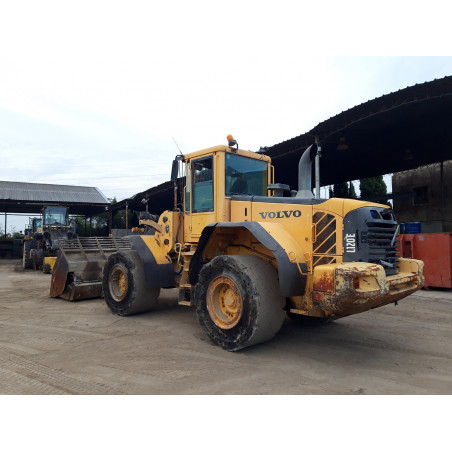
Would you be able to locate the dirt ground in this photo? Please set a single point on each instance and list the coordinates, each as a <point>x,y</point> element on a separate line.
<point>52,346</point>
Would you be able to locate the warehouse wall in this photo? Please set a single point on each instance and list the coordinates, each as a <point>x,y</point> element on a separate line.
<point>431,203</point>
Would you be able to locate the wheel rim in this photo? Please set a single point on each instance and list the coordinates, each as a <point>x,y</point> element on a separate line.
<point>118,283</point>
<point>224,302</point>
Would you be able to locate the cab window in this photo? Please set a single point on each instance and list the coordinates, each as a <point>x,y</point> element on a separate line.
<point>245,176</point>
<point>55,215</point>
<point>202,184</point>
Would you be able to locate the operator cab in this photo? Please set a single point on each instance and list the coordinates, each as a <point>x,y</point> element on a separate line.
<point>55,215</point>
<point>242,175</point>
<point>213,177</point>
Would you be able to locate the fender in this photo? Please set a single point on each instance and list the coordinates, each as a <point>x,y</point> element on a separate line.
<point>291,281</point>
<point>157,265</point>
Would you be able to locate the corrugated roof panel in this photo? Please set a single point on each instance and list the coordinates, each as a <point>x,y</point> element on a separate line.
<point>50,193</point>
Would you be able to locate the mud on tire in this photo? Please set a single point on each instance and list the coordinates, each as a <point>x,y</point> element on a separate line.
<point>238,302</point>
<point>124,285</point>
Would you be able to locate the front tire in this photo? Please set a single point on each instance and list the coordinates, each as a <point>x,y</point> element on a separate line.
<point>238,302</point>
<point>124,285</point>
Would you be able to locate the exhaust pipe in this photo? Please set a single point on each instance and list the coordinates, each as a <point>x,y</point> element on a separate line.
<point>304,173</point>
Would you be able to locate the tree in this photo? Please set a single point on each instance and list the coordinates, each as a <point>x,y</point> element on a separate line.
<point>13,234</point>
<point>372,186</point>
<point>98,225</point>
<point>343,190</point>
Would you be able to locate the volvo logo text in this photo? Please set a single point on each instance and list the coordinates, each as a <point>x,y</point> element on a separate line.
<point>281,214</point>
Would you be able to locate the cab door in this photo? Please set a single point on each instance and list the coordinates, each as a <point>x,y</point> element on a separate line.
<point>199,197</point>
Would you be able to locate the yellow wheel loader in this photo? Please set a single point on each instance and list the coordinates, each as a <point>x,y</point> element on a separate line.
<point>246,251</point>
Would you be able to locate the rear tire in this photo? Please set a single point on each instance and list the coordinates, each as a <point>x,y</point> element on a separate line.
<point>238,302</point>
<point>124,285</point>
<point>26,259</point>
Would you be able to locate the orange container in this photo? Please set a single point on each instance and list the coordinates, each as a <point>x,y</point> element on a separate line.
<point>435,250</point>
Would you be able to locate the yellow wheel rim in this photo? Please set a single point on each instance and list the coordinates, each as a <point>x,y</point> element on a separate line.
<point>118,283</point>
<point>224,302</point>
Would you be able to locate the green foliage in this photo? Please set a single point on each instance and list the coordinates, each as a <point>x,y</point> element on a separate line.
<point>372,186</point>
<point>13,234</point>
<point>98,226</point>
<point>343,190</point>
<point>119,220</point>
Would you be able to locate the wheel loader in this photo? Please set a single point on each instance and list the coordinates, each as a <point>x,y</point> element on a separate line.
<point>42,240</point>
<point>30,231</point>
<point>245,251</point>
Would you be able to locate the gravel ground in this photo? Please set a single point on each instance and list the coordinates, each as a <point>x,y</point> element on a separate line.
<point>52,346</point>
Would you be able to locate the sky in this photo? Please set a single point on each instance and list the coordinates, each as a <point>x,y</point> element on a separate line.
<point>98,93</point>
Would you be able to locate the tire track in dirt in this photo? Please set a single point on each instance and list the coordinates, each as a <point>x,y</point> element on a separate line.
<point>56,329</point>
<point>40,379</point>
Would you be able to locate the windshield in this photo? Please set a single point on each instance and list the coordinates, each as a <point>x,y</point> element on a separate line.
<point>245,176</point>
<point>55,215</point>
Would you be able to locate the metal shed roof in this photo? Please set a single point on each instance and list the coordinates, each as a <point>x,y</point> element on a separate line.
<point>17,197</point>
<point>161,197</point>
<point>398,131</point>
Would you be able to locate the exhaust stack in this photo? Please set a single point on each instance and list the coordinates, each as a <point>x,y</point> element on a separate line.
<point>304,173</point>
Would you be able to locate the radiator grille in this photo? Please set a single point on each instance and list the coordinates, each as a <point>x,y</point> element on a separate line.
<point>324,251</point>
<point>382,246</point>
<point>369,236</point>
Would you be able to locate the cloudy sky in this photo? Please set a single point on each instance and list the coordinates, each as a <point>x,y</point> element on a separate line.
<point>94,93</point>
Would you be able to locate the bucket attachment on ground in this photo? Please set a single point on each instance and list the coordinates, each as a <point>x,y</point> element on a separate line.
<point>77,274</point>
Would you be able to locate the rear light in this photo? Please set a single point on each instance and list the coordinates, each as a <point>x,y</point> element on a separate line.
<point>356,283</point>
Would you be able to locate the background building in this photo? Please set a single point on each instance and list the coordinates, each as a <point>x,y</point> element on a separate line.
<point>423,195</point>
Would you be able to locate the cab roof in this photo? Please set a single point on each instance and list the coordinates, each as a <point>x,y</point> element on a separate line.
<point>227,149</point>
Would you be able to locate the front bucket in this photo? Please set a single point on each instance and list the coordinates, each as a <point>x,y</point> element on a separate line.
<point>77,274</point>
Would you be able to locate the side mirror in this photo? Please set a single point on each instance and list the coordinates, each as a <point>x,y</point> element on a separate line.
<point>174,170</point>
